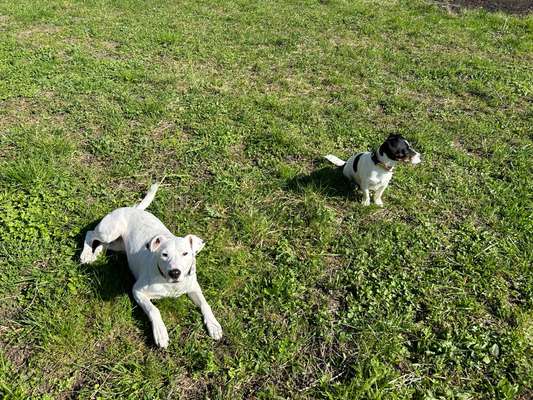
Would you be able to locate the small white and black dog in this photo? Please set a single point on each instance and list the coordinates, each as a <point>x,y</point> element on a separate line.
<point>163,265</point>
<point>373,170</point>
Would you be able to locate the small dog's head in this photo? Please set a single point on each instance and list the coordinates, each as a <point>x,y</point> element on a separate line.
<point>399,149</point>
<point>176,256</point>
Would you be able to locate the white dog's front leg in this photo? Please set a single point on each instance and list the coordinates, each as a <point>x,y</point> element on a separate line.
<point>158,327</point>
<point>213,327</point>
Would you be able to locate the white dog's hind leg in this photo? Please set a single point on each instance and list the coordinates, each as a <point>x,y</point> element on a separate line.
<point>87,255</point>
<point>116,245</point>
<point>158,327</point>
<point>107,231</point>
<point>213,327</point>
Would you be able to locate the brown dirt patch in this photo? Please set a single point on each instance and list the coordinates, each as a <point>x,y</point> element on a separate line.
<point>19,111</point>
<point>508,6</point>
<point>17,355</point>
<point>38,30</point>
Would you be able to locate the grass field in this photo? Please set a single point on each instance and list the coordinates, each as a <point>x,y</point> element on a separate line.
<point>235,103</point>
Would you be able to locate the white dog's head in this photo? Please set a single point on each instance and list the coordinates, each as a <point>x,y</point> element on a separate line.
<point>176,256</point>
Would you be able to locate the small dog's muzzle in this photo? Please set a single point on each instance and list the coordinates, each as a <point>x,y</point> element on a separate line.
<point>416,159</point>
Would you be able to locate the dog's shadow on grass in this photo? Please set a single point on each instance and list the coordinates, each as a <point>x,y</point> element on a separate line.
<point>328,180</point>
<point>110,277</point>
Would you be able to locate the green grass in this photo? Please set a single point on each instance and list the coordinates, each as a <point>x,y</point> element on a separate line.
<point>235,103</point>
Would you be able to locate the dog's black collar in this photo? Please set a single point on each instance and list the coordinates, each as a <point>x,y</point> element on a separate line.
<point>190,268</point>
<point>376,161</point>
<point>161,272</point>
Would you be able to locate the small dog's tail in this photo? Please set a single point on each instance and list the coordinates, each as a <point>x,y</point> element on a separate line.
<point>335,160</point>
<point>148,198</point>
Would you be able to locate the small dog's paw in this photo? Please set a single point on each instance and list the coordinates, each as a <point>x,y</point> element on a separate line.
<point>87,256</point>
<point>366,202</point>
<point>378,202</point>
<point>160,335</point>
<point>214,329</point>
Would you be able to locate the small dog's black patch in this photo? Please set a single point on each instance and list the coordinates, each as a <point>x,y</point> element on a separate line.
<point>355,162</point>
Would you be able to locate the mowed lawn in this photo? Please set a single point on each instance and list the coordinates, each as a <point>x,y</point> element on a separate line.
<point>234,104</point>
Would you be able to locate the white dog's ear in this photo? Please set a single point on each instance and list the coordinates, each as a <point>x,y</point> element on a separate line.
<point>196,243</point>
<point>155,243</point>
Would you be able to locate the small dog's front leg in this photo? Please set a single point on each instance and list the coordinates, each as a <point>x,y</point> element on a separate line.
<point>377,196</point>
<point>366,195</point>
<point>158,327</point>
<point>213,327</point>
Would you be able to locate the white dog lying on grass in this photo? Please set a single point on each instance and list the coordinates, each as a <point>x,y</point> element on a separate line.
<point>163,265</point>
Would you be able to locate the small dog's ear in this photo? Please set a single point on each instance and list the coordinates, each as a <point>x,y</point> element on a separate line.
<point>394,136</point>
<point>155,243</point>
<point>196,243</point>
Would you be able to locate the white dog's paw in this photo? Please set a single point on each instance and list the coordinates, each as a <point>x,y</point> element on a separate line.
<point>214,329</point>
<point>378,202</point>
<point>87,256</point>
<point>160,335</point>
<point>366,202</point>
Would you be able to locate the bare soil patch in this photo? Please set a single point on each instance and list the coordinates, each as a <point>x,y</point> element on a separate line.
<point>508,6</point>
<point>38,30</point>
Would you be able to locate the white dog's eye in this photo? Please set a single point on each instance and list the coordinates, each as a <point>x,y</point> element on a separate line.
<point>165,255</point>
<point>184,254</point>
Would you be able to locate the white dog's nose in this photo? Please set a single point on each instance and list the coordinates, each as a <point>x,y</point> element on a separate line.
<point>174,273</point>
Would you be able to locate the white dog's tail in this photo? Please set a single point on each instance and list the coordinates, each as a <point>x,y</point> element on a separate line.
<point>335,160</point>
<point>148,198</point>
